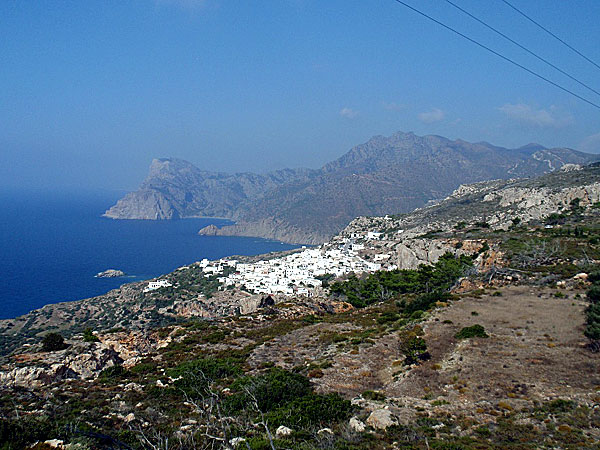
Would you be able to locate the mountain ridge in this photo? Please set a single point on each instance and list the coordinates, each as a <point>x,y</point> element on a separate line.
<point>392,174</point>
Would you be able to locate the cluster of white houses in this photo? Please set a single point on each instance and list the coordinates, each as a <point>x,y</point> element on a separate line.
<point>294,274</point>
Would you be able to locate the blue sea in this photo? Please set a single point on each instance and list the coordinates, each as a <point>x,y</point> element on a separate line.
<point>52,244</point>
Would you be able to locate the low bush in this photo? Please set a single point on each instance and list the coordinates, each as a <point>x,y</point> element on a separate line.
<point>388,317</point>
<point>592,313</point>
<point>271,390</point>
<point>53,342</point>
<point>593,294</point>
<point>425,301</point>
<point>373,395</point>
<point>16,434</point>
<point>193,377</point>
<point>382,285</point>
<point>594,277</point>
<point>471,332</point>
<point>285,398</point>
<point>89,336</point>
<point>311,410</point>
<point>559,406</point>
<point>413,347</point>
<point>113,372</point>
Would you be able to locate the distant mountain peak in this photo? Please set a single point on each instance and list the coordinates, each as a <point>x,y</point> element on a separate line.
<point>532,146</point>
<point>385,175</point>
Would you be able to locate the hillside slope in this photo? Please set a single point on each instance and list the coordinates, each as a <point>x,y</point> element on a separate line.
<point>487,347</point>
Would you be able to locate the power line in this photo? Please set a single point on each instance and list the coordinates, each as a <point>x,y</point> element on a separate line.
<point>499,55</point>
<point>521,46</point>
<point>550,33</point>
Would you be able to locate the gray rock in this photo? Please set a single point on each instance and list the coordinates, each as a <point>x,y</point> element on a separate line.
<point>357,425</point>
<point>381,419</point>
<point>110,273</point>
<point>283,431</point>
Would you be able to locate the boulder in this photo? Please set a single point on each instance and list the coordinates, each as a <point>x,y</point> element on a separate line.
<point>357,425</point>
<point>325,432</point>
<point>235,441</point>
<point>283,431</point>
<point>380,419</point>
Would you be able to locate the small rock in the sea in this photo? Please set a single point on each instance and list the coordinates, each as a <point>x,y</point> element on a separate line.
<point>110,273</point>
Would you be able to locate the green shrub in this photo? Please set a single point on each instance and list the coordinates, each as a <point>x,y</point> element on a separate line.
<point>53,342</point>
<point>555,219</point>
<point>311,410</point>
<point>592,315</point>
<point>373,395</point>
<point>195,376</point>
<point>593,294</point>
<point>594,277</point>
<point>559,406</point>
<point>271,390</point>
<point>286,398</point>
<point>143,368</point>
<point>89,336</point>
<point>388,317</point>
<point>425,301</point>
<point>383,284</point>
<point>16,434</point>
<point>471,332</point>
<point>413,347</point>
<point>113,372</point>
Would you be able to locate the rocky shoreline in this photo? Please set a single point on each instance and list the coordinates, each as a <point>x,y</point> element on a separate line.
<point>270,228</point>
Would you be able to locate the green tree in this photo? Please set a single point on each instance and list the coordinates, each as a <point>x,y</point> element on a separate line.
<point>53,342</point>
<point>89,336</point>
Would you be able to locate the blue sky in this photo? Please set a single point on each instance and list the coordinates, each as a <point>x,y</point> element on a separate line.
<point>91,91</point>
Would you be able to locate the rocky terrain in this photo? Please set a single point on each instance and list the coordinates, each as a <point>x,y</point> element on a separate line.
<point>110,273</point>
<point>477,336</point>
<point>418,237</point>
<point>384,175</point>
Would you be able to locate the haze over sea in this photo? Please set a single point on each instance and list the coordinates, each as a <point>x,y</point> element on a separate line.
<point>52,245</point>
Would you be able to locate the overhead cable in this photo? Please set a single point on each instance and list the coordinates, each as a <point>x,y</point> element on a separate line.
<point>500,55</point>
<point>551,33</point>
<point>521,46</point>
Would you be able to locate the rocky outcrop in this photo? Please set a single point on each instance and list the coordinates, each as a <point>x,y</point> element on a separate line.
<point>176,189</point>
<point>143,204</point>
<point>81,360</point>
<point>77,362</point>
<point>411,253</point>
<point>411,239</point>
<point>270,228</point>
<point>210,230</point>
<point>380,419</point>
<point>110,273</point>
<point>495,203</point>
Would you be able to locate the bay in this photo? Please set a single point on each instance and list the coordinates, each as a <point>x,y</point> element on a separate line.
<point>52,244</point>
